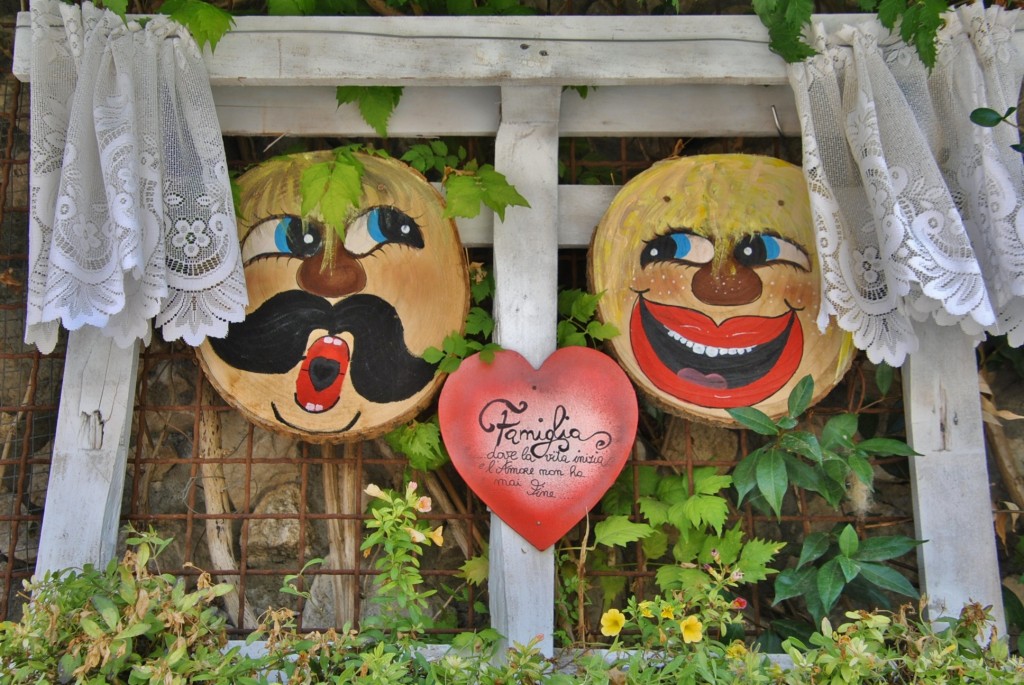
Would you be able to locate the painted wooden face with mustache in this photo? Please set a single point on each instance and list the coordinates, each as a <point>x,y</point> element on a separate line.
<point>709,271</point>
<point>331,346</point>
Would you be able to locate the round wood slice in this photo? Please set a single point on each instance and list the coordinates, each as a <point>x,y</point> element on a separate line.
<point>709,270</point>
<point>331,347</point>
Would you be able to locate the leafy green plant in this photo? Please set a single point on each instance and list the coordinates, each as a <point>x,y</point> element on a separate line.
<point>918,23</point>
<point>796,457</point>
<point>122,624</point>
<point>683,523</point>
<point>420,442</point>
<point>830,562</point>
<point>396,531</point>
<point>577,322</point>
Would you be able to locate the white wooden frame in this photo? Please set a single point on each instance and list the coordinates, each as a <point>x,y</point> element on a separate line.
<point>501,76</point>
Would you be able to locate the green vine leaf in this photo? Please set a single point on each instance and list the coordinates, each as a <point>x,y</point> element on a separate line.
<point>465,191</point>
<point>333,187</point>
<point>830,583</point>
<point>772,480</point>
<point>785,21</point>
<point>376,103</point>
<point>421,443</point>
<point>207,23</point>
<point>848,541</point>
<point>815,545</point>
<point>620,531</point>
<point>887,579</point>
<point>884,547</point>
<point>755,557</point>
<point>801,396</point>
<point>118,7</point>
<point>754,419</point>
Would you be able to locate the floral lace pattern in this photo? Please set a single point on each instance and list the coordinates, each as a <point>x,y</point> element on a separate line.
<point>918,211</point>
<point>131,212</point>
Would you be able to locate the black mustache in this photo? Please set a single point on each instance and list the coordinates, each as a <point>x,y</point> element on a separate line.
<point>273,340</point>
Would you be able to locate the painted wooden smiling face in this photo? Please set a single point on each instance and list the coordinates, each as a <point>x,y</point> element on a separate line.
<point>331,346</point>
<point>709,270</point>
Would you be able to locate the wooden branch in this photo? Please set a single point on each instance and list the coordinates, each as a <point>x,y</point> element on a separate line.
<point>219,539</point>
<point>342,487</point>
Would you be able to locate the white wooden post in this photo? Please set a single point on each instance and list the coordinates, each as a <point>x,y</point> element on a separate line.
<point>83,497</point>
<point>952,505</point>
<point>522,579</point>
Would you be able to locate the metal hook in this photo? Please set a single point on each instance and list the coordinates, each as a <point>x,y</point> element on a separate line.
<point>775,118</point>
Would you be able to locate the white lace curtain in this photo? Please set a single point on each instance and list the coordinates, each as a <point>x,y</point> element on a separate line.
<point>131,212</point>
<point>918,211</point>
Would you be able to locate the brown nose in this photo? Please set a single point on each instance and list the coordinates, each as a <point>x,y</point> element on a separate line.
<point>730,284</point>
<point>341,276</point>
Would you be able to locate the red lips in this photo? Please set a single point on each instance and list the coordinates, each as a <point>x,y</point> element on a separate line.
<point>318,386</point>
<point>740,362</point>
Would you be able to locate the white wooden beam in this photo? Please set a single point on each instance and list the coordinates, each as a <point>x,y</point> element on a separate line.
<point>83,496</point>
<point>475,51</point>
<point>521,582</point>
<point>700,110</point>
<point>952,505</point>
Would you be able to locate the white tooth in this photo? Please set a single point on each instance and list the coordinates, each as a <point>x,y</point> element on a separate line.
<point>698,348</point>
<point>749,349</point>
<point>338,342</point>
<point>310,406</point>
<point>329,340</point>
<point>319,407</point>
<point>711,352</point>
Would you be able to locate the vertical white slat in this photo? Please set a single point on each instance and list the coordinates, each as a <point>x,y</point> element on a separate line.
<point>83,496</point>
<point>952,505</point>
<point>522,579</point>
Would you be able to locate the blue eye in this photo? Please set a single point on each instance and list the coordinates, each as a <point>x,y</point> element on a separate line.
<point>381,226</point>
<point>765,249</point>
<point>772,249</point>
<point>279,235</point>
<point>682,245</point>
<point>678,246</point>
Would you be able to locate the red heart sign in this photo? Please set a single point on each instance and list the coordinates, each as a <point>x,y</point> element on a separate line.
<point>539,447</point>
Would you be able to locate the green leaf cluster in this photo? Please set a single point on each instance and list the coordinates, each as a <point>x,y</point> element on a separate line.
<point>395,530</point>
<point>830,562</point>
<point>683,527</point>
<point>785,21</point>
<point>376,103</point>
<point>793,457</point>
<point>468,188</point>
<point>434,156</point>
<point>122,624</point>
<point>420,442</point>
<point>333,188</point>
<point>206,22</point>
<point>577,320</point>
<point>918,22</point>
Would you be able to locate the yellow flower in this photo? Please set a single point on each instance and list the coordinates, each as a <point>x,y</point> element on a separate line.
<point>374,491</point>
<point>736,650</point>
<point>692,629</point>
<point>612,622</point>
<point>436,537</point>
<point>668,611</point>
<point>423,504</point>
<point>416,536</point>
<point>645,609</point>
